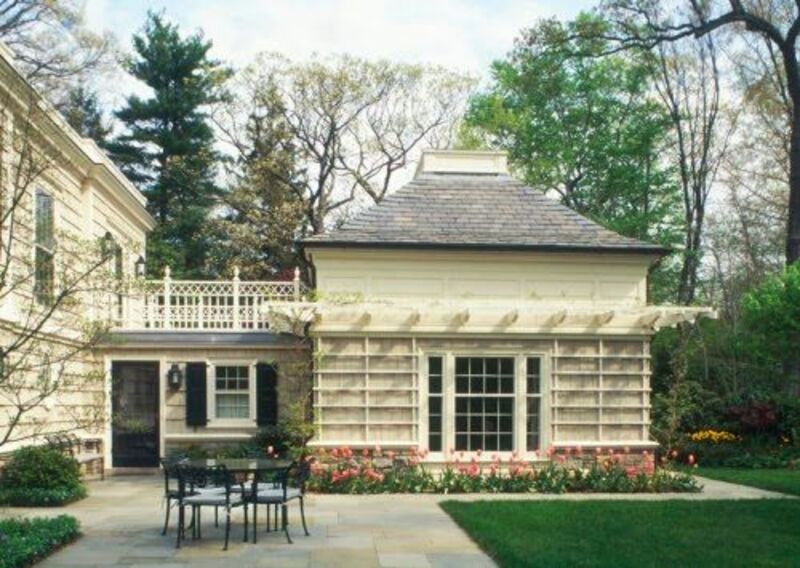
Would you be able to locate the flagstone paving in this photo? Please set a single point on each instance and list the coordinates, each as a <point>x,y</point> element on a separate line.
<point>121,521</point>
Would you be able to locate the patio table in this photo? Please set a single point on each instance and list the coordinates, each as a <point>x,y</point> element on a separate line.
<point>244,466</point>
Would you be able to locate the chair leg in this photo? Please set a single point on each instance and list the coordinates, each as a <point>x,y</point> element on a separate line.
<point>268,512</point>
<point>227,527</point>
<point>303,516</point>
<point>275,524</point>
<point>285,521</point>
<point>216,516</point>
<point>180,524</point>
<point>245,521</point>
<point>199,522</point>
<point>255,521</point>
<point>166,519</point>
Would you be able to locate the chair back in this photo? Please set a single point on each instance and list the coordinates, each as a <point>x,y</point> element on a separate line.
<point>298,472</point>
<point>191,478</point>
<point>169,467</point>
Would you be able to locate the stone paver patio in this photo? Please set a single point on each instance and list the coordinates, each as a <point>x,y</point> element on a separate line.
<point>122,519</point>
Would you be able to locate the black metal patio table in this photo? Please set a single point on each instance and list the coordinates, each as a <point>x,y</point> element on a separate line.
<point>254,467</point>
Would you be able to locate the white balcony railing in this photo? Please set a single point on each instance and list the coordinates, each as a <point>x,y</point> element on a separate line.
<point>197,305</point>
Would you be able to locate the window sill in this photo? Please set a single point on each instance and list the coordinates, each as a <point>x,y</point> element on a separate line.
<point>231,424</point>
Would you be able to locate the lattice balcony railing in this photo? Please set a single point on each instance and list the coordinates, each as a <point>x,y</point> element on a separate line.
<point>195,305</point>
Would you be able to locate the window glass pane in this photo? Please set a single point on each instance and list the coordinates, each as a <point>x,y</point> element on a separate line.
<point>484,403</point>
<point>43,276</point>
<point>233,406</point>
<point>232,397</point>
<point>533,404</point>
<point>435,404</point>
<point>44,219</point>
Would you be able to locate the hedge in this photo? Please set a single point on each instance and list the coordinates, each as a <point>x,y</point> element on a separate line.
<point>26,541</point>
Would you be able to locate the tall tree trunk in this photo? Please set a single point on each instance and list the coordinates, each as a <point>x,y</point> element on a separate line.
<point>793,86</point>
<point>793,222</point>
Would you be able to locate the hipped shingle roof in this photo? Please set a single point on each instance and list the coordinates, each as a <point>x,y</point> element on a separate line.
<point>475,211</point>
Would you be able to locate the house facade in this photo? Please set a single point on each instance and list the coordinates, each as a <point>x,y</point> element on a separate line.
<point>60,197</point>
<point>469,312</point>
<point>465,312</point>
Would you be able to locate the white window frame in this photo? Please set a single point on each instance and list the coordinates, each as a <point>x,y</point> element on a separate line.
<point>211,391</point>
<point>520,402</point>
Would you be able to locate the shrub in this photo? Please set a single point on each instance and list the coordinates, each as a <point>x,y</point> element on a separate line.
<point>40,476</point>
<point>290,435</point>
<point>40,497</point>
<point>752,453</point>
<point>41,467</point>
<point>25,541</point>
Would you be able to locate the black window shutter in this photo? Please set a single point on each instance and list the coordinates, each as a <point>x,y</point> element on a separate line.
<point>196,414</point>
<point>266,394</point>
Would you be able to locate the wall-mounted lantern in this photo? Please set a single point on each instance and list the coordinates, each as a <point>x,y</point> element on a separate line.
<point>174,376</point>
<point>107,244</point>
<point>140,266</point>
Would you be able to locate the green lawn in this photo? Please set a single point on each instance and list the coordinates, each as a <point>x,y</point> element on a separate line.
<point>781,480</point>
<point>634,533</point>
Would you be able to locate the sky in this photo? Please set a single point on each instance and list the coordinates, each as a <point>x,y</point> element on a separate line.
<point>461,34</point>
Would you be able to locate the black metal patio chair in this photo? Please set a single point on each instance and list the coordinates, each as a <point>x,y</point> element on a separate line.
<point>206,487</point>
<point>287,485</point>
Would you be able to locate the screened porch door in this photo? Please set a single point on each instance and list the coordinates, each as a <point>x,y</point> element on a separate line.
<point>134,414</point>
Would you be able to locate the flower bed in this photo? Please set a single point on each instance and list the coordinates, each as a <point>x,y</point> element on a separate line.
<point>344,471</point>
<point>26,541</point>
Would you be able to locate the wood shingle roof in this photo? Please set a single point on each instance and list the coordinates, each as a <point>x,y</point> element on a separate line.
<point>475,211</point>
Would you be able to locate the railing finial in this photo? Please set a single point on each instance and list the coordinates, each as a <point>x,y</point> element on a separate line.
<point>236,273</point>
<point>167,272</point>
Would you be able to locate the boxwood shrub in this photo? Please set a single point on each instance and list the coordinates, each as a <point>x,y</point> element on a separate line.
<point>39,476</point>
<point>26,541</point>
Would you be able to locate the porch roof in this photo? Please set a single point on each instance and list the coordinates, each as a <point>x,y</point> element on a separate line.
<point>200,339</point>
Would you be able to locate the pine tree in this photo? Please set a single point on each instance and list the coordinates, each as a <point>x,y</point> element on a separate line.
<point>82,111</point>
<point>168,146</point>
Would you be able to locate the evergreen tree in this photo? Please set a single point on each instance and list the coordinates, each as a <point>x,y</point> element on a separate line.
<point>168,146</point>
<point>82,111</point>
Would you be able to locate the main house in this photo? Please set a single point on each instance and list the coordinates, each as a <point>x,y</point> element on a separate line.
<point>465,312</point>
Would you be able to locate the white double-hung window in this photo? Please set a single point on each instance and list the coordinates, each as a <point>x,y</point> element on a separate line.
<point>491,403</point>
<point>232,395</point>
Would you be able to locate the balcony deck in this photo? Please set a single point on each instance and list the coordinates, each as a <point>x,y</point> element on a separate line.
<point>200,305</point>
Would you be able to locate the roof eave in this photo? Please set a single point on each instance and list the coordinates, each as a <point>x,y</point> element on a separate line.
<point>642,249</point>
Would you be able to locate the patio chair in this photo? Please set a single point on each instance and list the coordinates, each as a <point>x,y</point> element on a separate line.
<point>171,493</point>
<point>218,492</point>
<point>279,493</point>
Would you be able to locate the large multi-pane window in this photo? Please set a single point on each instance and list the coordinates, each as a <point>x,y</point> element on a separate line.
<point>533,403</point>
<point>489,403</point>
<point>44,248</point>
<point>484,403</point>
<point>435,391</point>
<point>232,392</point>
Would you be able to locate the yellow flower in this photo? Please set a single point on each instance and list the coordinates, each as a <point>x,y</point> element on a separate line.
<point>713,436</point>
